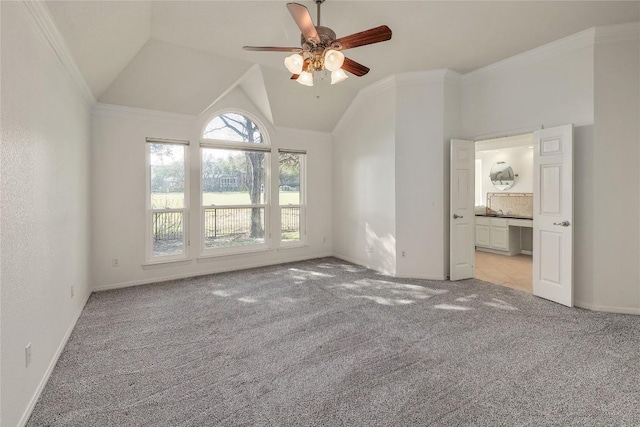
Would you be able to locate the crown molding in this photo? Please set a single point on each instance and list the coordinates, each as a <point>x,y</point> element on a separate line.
<point>618,33</point>
<point>581,40</point>
<point>121,111</point>
<point>42,21</point>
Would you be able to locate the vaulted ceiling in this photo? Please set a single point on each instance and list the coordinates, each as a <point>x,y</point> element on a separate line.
<point>180,56</point>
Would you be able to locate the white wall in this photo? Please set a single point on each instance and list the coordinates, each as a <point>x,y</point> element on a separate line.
<point>422,184</point>
<point>364,206</point>
<point>616,183</point>
<point>596,89</point>
<point>45,209</point>
<point>519,158</point>
<point>119,193</point>
<point>551,85</point>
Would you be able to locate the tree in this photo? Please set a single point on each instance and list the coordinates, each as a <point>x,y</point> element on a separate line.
<point>249,132</point>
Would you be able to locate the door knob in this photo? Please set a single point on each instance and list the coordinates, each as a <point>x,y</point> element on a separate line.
<point>456,216</point>
<point>563,223</point>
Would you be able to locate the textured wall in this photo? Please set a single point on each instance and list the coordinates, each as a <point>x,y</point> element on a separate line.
<point>45,208</point>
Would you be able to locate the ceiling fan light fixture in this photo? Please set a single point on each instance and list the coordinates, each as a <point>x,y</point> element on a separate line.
<point>294,63</point>
<point>333,60</point>
<point>305,79</point>
<point>338,75</point>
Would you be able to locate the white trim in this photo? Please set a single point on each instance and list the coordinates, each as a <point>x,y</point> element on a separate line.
<point>43,22</point>
<point>506,133</point>
<point>581,40</point>
<point>525,252</point>
<point>618,33</point>
<point>153,140</point>
<point>420,276</point>
<point>168,263</point>
<point>208,272</point>
<point>45,378</point>
<point>607,308</point>
<point>136,113</point>
<point>234,145</point>
<point>227,251</point>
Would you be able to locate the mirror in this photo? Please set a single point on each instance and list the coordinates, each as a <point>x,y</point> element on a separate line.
<point>502,176</point>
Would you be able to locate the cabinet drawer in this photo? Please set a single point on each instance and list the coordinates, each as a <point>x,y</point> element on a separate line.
<point>482,220</point>
<point>499,238</point>
<point>499,222</point>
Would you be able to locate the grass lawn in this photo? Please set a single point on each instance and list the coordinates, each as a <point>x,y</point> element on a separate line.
<point>174,200</point>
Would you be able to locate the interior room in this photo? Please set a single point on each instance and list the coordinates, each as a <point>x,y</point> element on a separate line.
<point>504,211</point>
<point>223,212</point>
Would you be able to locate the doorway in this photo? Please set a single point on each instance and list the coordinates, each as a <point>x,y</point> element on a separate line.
<point>504,211</point>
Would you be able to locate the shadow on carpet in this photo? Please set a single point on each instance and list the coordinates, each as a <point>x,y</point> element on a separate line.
<point>324,342</point>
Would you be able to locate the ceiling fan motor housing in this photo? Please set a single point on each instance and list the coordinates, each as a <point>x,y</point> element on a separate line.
<point>326,34</point>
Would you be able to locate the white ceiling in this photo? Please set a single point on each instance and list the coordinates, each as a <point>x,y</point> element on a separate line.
<point>181,55</point>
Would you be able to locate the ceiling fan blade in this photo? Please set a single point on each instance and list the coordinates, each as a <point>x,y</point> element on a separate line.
<point>303,18</point>
<point>272,49</point>
<point>295,76</point>
<point>373,35</point>
<point>354,68</point>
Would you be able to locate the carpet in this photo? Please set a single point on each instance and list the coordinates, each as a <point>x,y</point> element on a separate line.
<point>325,342</point>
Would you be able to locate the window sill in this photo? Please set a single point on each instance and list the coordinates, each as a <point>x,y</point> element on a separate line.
<point>167,263</point>
<point>209,257</point>
<point>293,246</point>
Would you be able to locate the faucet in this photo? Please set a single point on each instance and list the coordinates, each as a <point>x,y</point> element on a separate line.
<point>501,213</point>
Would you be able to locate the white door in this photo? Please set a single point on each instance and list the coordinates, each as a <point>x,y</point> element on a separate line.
<point>462,219</point>
<point>553,214</point>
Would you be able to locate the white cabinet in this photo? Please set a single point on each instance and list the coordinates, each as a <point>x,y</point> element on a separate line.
<point>483,236</point>
<point>500,235</point>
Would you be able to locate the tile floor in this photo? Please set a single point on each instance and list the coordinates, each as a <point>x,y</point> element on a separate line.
<point>511,271</point>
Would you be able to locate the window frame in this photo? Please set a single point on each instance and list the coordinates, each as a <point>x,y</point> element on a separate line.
<point>264,147</point>
<point>302,202</point>
<point>161,259</point>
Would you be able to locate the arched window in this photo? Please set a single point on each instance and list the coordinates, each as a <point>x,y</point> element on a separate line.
<point>233,127</point>
<point>235,202</point>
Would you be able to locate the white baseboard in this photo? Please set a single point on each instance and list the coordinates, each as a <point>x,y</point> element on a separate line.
<point>607,308</point>
<point>420,276</point>
<point>32,403</point>
<point>207,272</point>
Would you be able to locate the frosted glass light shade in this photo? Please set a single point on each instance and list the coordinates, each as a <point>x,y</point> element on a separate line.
<point>333,60</point>
<point>338,75</point>
<point>294,63</point>
<point>306,78</point>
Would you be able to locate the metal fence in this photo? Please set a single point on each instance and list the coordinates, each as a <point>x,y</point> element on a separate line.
<point>290,219</point>
<point>224,222</point>
<point>220,223</point>
<point>167,226</point>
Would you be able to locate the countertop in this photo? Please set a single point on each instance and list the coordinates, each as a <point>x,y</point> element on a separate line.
<point>504,216</point>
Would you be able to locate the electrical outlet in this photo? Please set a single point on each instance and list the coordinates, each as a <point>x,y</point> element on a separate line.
<point>403,254</point>
<point>27,355</point>
<point>115,262</point>
<point>370,249</point>
<point>72,291</point>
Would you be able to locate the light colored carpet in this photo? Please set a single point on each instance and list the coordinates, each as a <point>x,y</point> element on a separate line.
<point>323,342</point>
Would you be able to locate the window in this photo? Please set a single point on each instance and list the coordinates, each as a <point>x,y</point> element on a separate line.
<point>291,196</point>
<point>235,166</point>
<point>478,181</point>
<point>166,201</point>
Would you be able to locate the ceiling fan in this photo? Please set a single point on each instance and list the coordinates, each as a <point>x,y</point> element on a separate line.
<point>321,49</point>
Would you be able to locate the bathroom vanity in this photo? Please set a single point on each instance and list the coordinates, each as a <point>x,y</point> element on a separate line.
<point>503,235</point>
